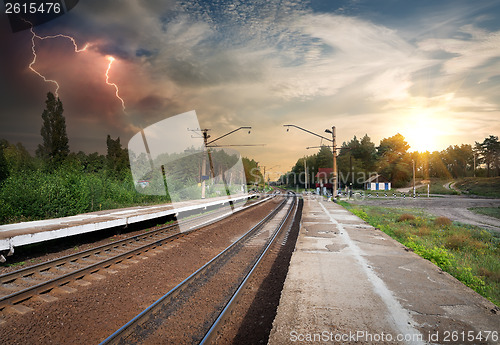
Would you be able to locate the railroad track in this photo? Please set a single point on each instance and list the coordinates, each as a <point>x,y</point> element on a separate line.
<point>196,309</point>
<point>38,280</point>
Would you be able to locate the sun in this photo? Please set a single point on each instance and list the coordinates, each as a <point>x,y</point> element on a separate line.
<point>421,138</point>
<point>423,129</point>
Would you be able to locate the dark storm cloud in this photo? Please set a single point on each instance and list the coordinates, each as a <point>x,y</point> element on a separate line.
<point>239,61</point>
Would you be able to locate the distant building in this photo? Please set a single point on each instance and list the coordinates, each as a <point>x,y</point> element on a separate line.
<point>323,180</point>
<point>377,182</point>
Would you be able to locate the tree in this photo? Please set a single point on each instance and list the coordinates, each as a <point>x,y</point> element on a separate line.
<point>489,151</point>
<point>324,158</point>
<point>18,158</point>
<point>458,159</point>
<point>394,161</point>
<point>356,157</point>
<point>55,148</point>
<point>117,157</point>
<point>437,168</point>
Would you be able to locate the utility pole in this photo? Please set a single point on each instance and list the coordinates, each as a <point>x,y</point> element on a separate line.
<point>413,161</point>
<point>474,164</point>
<point>305,171</point>
<point>264,179</point>
<point>334,160</point>
<point>332,132</point>
<point>204,162</point>
<point>206,152</point>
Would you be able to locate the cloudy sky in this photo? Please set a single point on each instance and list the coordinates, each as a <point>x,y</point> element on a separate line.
<point>429,70</point>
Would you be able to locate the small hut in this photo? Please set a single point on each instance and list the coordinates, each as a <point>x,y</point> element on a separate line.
<point>377,182</point>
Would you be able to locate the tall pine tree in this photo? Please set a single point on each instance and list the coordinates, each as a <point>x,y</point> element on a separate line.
<point>55,148</point>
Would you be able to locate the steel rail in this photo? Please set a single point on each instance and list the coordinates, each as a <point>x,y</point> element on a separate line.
<point>72,258</point>
<point>214,330</point>
<point>127,329</point>
<point>93,267</point>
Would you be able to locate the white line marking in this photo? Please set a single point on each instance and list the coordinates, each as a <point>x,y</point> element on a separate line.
<point>400,316</point>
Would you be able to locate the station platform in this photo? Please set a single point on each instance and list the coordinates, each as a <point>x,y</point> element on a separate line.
<point>19,234</point>
<point>349,283</point>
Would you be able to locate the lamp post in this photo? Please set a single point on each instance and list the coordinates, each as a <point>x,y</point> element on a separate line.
<point>206,136</point>
<point>334,160</point>
<point>332,131</point>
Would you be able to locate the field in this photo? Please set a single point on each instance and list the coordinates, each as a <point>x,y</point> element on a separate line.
<point>470,254</point>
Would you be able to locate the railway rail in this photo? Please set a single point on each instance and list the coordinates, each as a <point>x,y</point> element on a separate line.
<point>38,280</point>
<point>196,309</point>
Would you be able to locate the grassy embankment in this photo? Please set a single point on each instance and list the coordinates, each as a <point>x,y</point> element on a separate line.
<point>470,254</point>
<point>483,186</point>
<point>437,187</point>
<point>487,211</point>
<point>36,195</point>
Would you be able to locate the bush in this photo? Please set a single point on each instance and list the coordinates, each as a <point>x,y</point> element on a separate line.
<point>65,193</point>
<point>437,255</point>
<point>442,221</point>
<point>461,241</point>
<point>465,275</point>
<point>492,275</point>
<point>406,216</point>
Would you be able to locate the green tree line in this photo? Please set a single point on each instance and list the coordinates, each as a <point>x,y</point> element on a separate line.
<point>56,182</point>
<point>359,159</point>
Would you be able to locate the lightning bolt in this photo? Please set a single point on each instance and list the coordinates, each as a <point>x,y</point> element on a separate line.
<point>77,50</point>
<point>111,60</point>
<point>33,49</point>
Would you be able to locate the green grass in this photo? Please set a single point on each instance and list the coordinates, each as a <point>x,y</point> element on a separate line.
<point>436,187</point>
<point>470,254</point>
<point>487,211</point>
<point>15,264</point>
<point>484,186</point>
<point>36,195</point>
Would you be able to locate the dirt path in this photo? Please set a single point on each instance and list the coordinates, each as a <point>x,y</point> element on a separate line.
<point>451,186</point>
<point>453,207</point>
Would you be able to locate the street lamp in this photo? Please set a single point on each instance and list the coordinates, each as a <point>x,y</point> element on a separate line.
<point>332,132</point>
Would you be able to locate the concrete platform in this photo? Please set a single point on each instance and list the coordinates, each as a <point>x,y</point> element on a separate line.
<point>349,283</point>
<point>19,234</point>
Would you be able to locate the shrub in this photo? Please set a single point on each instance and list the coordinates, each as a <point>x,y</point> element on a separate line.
<point>457,241</point>
<point>405,217</point>
<point>442,221</point>
<point>423,231</point>
<point>360,213</point>
<point>465,275</point>
<point>462,241</point>
<point>437,255</point>
<point>492,275</point>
